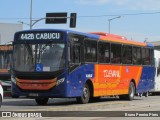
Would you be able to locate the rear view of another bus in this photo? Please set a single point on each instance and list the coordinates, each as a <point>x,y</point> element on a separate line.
<point>5,62</point>
<point>156,89</point>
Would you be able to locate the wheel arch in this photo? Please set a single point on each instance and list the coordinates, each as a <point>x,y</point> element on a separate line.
<point>90,84</point>
<point>132,80</point>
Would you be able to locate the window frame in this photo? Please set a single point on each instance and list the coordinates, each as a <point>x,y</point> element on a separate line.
<point>124,61</point>
<point>109,45</point>
<point>116,53</point>
<point>89,44</point>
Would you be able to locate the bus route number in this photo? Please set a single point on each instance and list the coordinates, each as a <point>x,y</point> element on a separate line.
<point>28,36</point>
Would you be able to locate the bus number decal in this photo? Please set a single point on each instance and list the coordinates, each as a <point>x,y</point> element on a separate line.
<point>29,36</point>
<point>89,75</point>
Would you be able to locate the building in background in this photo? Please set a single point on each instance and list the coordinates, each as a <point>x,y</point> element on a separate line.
<point>7,31</point>
<point>156,44</point>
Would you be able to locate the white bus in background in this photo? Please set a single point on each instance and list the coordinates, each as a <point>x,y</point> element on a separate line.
<point>156,89</point>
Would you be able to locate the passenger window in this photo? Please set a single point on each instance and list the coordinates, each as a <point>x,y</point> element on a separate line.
<point>115,53</point>
<point>75,54</point>
<point>126,54</point>
<point>104,52</point>
<point>147,61</point>
<point>146,56</point>
<point>90,51</point>
<point>137,56</point>
<point>151,56</point>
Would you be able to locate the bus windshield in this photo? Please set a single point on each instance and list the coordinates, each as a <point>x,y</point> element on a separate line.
<point>49,57</point>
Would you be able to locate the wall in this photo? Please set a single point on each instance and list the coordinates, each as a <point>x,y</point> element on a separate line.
<point>7,31</point>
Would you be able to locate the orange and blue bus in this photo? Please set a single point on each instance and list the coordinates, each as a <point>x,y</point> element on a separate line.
<point>5,63</point>
<point>55,63</point>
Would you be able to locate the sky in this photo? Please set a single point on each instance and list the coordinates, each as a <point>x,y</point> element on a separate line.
<point>139,19</point>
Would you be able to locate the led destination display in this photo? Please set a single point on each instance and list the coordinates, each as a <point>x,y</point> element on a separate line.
<point>40,36</point>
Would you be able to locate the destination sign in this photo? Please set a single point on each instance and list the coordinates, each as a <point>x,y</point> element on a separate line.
<point>40,36</point>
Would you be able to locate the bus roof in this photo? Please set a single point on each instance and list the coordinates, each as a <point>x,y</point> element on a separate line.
<point>93,36</point>
<point>97,36</point>
<point>118,39</point>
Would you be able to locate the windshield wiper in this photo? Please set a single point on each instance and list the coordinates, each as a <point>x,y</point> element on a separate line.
<point>40,50</point>
<point>44,47</point>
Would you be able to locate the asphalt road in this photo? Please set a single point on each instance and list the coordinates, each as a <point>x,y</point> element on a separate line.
<point>63,109</point>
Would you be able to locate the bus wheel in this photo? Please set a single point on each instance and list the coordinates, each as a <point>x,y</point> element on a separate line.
<point>131,93</point>
<point>14,96</point>
<point>146,94</point>
<point>41,101</point>
<point>94,99</point>
<point>85,96</point>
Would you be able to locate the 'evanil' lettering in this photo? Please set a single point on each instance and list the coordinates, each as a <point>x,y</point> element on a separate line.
<point>111,73</point>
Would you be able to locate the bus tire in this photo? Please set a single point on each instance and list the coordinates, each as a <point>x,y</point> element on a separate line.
<point>146,94</point>
<point>14,96</point>
<point>122,97</point>
<point>94,99</point>
<point>131,92</point>
<point>41,101</point>
<point>85,96</point>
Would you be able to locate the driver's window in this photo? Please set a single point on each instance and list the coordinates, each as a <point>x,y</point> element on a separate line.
<point>75,53</point>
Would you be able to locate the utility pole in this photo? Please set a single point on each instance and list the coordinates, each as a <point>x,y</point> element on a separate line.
<point>109,22</point>
<point>31,15</point>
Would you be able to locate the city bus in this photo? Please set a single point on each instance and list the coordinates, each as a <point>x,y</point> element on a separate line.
<point>156,89</point>
<point>5,63</point>
<point>55,63</point>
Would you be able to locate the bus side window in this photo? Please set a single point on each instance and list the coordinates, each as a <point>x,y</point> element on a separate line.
<point>148,62</point>
<point>90,51</point>
<point>136,56</point>
<point>115,53</point>
<point>146,56</point>
<point>104,52</point>
<point>151,57</point>
<point>126,54</point>
<point>75,53</point>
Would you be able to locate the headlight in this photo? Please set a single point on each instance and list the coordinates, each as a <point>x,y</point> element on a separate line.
<point>13,79</point>
<point>60,81</point>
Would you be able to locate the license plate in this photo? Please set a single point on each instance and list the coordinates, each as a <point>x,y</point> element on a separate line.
<point>33,94</point>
